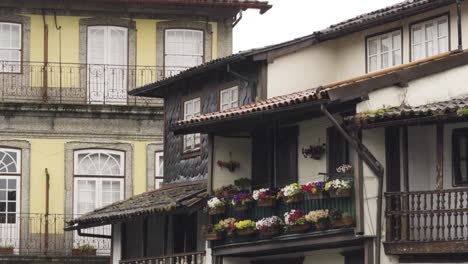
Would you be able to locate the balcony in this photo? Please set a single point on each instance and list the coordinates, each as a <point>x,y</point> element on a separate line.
<point>43,235</point>
<point>184,258</point>
<point>69,83</point>
<point>427,222</point>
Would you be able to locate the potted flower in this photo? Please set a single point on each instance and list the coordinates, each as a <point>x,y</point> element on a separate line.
<point>319,218</point>
<point>314,190</point>
<point>227,191</point>
<point>228,225</point>
<point>291,193</point>
<point>244,228</point>
<point>243,184</point>
<point>269,226</point>
<point>345,169</point>
<point>265,197</point>
<point>84,250</point>
<point>295,221</point>
<point>216,206</point>
<point>6,250</point>
<point>338,188</point>
<point>340,219</point>
<point>213,232</point>
<point>314,152</point>
<point>230,165</point>
<point>242,201</point>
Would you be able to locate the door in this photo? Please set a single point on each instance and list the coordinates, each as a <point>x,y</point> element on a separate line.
<point>107,65</point>
<point>10,160</point>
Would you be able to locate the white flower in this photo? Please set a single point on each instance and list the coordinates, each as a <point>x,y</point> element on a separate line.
<point>256,193</point>
<point>267,222</point>
<point>213,202</point>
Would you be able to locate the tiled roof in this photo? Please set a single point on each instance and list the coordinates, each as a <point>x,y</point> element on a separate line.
<point>169,198</point>
<point>259,106</point>
<point>456,106</point>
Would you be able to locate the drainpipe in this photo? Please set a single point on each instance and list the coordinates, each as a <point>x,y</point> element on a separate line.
<point>376,168</point>
<point>46,220</point>
<point>46,58</point>
<point>460,41</point>
<point>59,28</point>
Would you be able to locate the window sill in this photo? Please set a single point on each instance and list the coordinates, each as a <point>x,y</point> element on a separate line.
<point>190,154</point>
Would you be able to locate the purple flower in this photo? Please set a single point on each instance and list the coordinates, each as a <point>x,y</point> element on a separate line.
<point>319,185</point>
<point>241,196</point>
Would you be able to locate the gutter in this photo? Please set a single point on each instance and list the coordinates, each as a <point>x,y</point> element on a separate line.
<point>376,168</point>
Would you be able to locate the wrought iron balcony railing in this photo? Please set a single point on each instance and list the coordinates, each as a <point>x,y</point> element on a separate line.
<point>70,83</point>
<point>184,258</point>
<point>427,221</point>
<point>40,234</point>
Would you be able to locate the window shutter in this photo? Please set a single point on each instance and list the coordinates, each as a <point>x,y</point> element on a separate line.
<point>337,150</point>
<point>286,156</point>
<point>261,159</point>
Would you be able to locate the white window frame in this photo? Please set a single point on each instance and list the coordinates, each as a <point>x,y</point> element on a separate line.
<point>98,199</point>
<point>437,37</point>
<point>233,101</point>
<point>18,161</point>
<point>99,151</point>
<point>12,66</point>
<point>158,179</point>
<point>379,53</point>
<point>192,141</point>
<point>169,50</point>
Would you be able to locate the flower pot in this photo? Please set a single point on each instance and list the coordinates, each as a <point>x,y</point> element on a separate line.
<point>267,202</point>
<point>299,228</point>
<point>315,196</point>
<point>340,194</point>
<point>242,207</point>
<point>245,231</point>
<point>213,236</point>
<point>6,251</point>
<point>294,199</point>
<point>83,252</point>
<point>274,231</point>
<point>345,221</point>
<point>217,210</point>
<point>321,225</point>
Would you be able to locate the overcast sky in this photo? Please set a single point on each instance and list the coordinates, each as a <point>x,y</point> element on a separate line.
<point>289,19</point>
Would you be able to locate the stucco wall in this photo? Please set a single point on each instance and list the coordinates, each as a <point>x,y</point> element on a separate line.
<point>344,57</point>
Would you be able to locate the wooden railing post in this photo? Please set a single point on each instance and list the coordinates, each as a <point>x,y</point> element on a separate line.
<point>404,217</point>
<point>389,216</point>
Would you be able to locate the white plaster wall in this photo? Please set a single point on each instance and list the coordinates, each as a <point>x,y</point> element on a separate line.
<point>236,149</point>
<point>345,57</point>
<point>116,243</point>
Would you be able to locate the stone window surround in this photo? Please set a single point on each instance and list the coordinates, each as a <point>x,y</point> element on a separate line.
<point>182,24</point>
<point>151,150</point>
<point>71,147</point>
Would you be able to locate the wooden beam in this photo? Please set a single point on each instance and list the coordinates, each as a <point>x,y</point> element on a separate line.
<point>358,189</point>
<point>428,247</point>
<point>440,156</point>
<point>405,166</point>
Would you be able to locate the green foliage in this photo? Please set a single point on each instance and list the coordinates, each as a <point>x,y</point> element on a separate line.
<point>86,247</point>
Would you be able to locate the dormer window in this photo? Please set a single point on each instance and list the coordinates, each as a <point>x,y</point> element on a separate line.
<point>384,51</point>
<point>228,98</point>
<point>192,141</point>
<point>183,49</point>
<point>429,38</point>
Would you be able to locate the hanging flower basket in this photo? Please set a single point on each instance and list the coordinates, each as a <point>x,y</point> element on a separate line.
<point>245,227</point>
<point>245,231</point>
<point>230,165</point>
<point>299,228</point>
<point>294,198</point>
<point>314,152</point>
<point>219,210</point>
<point>345,193</point>
<point>6,251</point>
<point>267,202</point>
<point>269,226</point>
<point>322,225</point>
<point>84,252</point>
<point>345,221</point>
<point>213,236</point>
<point>315,196</point>
<point>242,206</point>
<point>274,231</point>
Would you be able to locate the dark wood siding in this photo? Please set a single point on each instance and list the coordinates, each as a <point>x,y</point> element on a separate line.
<point>286,156</point>
<point>337,150</point>
<point>392,156</point>
<point>132,239</point>
<point>262,159</point>
<point>155,236</point>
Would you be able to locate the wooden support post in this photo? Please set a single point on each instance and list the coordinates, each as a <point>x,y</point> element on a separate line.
<point>405,201</point>
<point>440,156</point>
<point>210,163</point>
<point>359,190</point>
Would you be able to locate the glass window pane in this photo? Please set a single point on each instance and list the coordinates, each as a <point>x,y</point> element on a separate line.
<point>442,28</point>
<point>15,37</point>
<point>417,36</point>
<point>3,195</point>
<point>2,207</point>
<point>372,47</point>
<point>396,57</point>
<point>372,63</point>
<point>3,184</point>
<point>11,195</point>
<point>12,184</point>
<point>11,218</point>
<point>443,44</point>
<point>11,207</point>
<point>5,39</point>
<point>384,60</point>
<point>396,39</point>
<point>418,52</point>
<point>99,163</point>
<point>385,43</point>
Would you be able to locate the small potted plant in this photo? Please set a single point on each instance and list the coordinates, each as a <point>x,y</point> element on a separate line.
<point>245,227</point>
<point>242,201</point>
<point>243,184</point>
<point>319,218</point>
<point>216,206</point>
<point>314,152</point>
<point>338,188</point>
<point>291,193</point>
<point>314,190</point>
<point>295,221</point>
<point>6,250</point>
<point>345,169</point>
<point>340,219</point>
<point>230,165</point>
<point>265,197</point>
<point>84,250</point>
<point>226,192</point>
<point>228,225</point>
<point>213,232</point>
<point>269,226</point>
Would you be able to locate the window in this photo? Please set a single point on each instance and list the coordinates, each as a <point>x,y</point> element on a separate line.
<point>191,110</point>
<point>183,49</point>
<point>99,179</point>
<point>159,169</point>
<point>10,47</point>
<point>10,170</point>
<point>228,98</point>
<point>459,156</point>
<point>429,38</point>
<point>384,51</point>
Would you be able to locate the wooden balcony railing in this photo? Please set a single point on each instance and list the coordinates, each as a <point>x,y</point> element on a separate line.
<point>184,258</point>
<point>427,221</point>
<point>72,83</point>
